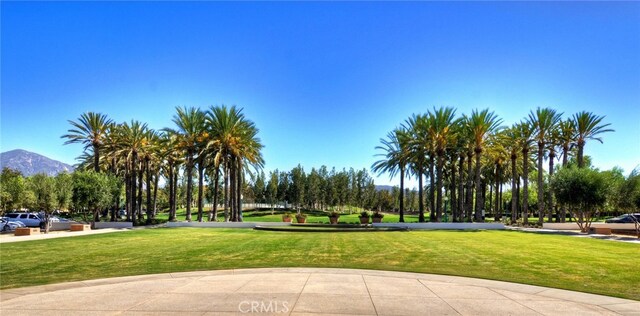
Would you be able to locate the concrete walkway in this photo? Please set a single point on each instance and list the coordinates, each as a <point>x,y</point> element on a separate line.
<point>304,291</point>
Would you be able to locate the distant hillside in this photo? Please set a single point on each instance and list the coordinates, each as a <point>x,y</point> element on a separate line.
<point>388,188</point>
<point>29,163</point>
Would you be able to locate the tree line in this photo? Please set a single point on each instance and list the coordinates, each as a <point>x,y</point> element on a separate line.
<point>219,142</point>
<point>321,189</point>
<point>464,156</point>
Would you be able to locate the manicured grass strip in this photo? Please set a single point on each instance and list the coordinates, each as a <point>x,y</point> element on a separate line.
<point>582,264</point>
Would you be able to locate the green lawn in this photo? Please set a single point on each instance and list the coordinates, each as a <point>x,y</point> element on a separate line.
<point>263,215</point>
<point>582,264</point>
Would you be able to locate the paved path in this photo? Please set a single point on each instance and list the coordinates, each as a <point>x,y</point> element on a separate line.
<point>304,291</point>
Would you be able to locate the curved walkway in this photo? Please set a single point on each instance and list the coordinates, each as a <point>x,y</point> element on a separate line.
<point>304,291</point>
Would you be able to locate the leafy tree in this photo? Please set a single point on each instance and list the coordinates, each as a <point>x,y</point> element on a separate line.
<point>272,188</point>
<point>314,188</point>
<point>259,188</point>
<point>92,192</point>
<point>64,190</point>
<point>44,190</point>
<point>283,187</point>
<point>297,186</point>
<point>584,190</point>
<point>12,189</point>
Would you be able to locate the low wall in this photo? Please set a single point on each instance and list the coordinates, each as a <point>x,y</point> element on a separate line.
<point>61,225</point>
<point>574,226</point>
<point>436,226</point>
<point>99,225</point>
<point>225,224</point>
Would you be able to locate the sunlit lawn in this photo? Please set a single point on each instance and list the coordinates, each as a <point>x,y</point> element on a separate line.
<point>583,264</point>
<point>266,215</point>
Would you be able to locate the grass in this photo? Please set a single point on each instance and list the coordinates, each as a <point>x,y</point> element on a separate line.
<point>314,216</point>
<point>582,264</point>
<point>266,215</point>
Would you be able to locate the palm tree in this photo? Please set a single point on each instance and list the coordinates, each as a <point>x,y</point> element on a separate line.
<point>566,139</point>
<point>544,121</point>
<point>442,133</point>
<point>553,142</point>
<point>497,152</point>
<point>90,130</point>
<point>588,126</point>
<point>236,146</point>
<point>130,139</point>
<point>395,155</point>
<point>150,159</point>
<point>171,162</point>
<point>190,126</point>
<point>525,137</point>
<point>420,144</point>
<point>510,140</point>
<point>481,125</point>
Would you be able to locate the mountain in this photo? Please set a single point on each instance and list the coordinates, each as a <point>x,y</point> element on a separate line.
<point>29,163</point>
<point>388,188</point>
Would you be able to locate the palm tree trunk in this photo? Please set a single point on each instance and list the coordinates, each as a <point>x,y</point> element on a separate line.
<point>439,188</point>
<point>580,153</point>
<point>148,172</point>
<point>189,170</point>
<point>518,199</point>
<point>514,191</point>
<point>461,190</point>
<point>232,193</point>
<point>132,186</point>
<point>490,206</point>
<point>96,158</point>
<point>155,194</point>
<point>175,191</point>
<point>565,154</point>
<point>540,183</point>
<point>453,199</point>
<point>401,198</point>
<point>200,189</point>
<point>432,191</point>
<point>550,207</point>
<point>420,196</point>
<point>239,194</point>
<point>498,215</point>
<point>140,178</point>
<point>525,187</point>
<point>213,216</point>
<point>565,161</point>
<point>469,196</point>
<point>227,204</point>
<point>479,203</point>
<point>500,204</point>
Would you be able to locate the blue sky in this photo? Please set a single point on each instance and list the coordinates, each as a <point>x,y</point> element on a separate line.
<point>322,81</point>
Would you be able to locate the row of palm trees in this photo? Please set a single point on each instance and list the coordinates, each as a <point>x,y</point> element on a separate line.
<point>461,155</point>
<point>218,142</point>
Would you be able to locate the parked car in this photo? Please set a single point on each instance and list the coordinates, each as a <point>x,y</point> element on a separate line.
<point>29,219</point>
<point>7,225</point>
<point>626,218</point>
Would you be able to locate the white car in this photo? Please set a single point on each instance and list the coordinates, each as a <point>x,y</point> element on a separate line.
<point>6,225</point>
